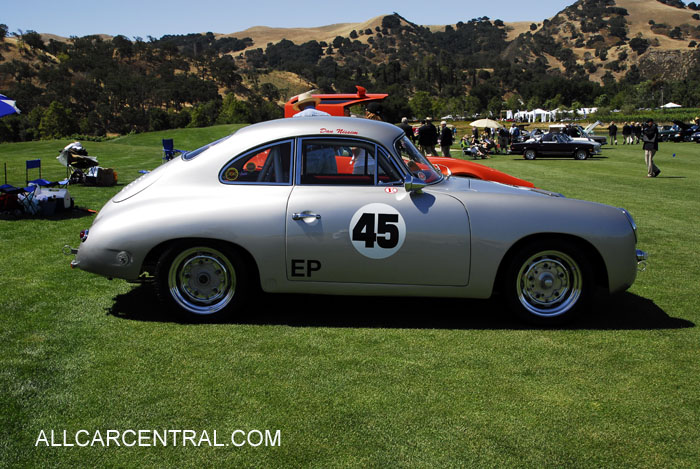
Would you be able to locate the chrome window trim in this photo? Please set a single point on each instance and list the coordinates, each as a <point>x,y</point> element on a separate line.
<point>258,149</point>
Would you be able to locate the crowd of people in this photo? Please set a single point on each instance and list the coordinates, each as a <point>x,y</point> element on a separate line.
<point>631,133</point>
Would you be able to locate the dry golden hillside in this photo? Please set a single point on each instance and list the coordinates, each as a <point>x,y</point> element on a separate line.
<point>262,35</point>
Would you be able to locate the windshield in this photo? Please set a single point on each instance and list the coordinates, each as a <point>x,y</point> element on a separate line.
<point>418,164</point>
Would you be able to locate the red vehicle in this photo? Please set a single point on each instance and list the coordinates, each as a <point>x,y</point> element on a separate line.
<point>339,105</point>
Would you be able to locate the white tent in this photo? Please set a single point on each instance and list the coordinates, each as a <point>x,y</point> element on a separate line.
<point>671,105</point>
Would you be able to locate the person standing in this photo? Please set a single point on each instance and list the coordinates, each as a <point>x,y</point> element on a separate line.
<point>503,140</point>
<point>514,133</point>
<point>626,132</point>
<point>612,132</point>
<point>650,139</point>
<point>446,139</point>
<point>407,128</point>
<point>427,138</point>
<point>306,105</point>
<point>637,131</point>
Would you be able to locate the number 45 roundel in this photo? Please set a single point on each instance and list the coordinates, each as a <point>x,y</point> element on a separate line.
<point>377,231</point>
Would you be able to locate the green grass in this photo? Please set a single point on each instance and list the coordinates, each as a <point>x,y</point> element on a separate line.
<point>357,382</point>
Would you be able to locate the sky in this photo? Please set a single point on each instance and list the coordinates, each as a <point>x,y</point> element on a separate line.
<point>156,18</point>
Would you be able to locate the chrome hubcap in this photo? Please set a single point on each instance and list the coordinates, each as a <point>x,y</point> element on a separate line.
<point>202,280</point>
<point>549,283</point>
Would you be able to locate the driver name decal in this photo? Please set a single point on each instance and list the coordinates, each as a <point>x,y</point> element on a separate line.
<point>324,130</point>
<point>377,231</point>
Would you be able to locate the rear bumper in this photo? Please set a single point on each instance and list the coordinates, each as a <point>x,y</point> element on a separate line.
<point>642,258</point>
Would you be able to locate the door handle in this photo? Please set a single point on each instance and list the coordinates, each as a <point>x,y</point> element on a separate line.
<point>304,215</point>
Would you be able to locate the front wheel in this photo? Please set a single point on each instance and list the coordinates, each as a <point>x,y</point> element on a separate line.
<point>581,154</point>
<point>529,154</point>
<point>201,281</point>
<point>548,282</point>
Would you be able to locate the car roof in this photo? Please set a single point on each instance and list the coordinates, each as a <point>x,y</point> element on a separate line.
<point>321,126</point>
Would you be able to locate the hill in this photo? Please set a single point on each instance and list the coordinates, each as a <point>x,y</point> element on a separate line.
<point>603,53</point>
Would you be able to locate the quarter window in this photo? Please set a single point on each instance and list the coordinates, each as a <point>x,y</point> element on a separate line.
<point>265,165</point>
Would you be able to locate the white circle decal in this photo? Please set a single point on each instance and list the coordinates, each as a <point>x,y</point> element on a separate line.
<point>377,231</point>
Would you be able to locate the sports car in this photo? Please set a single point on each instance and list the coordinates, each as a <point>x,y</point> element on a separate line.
<point>346,206</point>
<point>555,144</point>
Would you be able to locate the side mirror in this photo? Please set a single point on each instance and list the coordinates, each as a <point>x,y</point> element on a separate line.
<point>414,184</point>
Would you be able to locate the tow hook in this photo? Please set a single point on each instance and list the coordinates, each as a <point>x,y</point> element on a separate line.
<point>642,258</point>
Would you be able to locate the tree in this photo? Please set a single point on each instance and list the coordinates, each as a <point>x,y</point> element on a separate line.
<point>421,104</point>
<point>56,122</point>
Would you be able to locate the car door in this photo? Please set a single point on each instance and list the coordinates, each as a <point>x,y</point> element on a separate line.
<point>365,227</point>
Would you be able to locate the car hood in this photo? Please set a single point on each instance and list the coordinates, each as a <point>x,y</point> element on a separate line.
<point>459,184</point>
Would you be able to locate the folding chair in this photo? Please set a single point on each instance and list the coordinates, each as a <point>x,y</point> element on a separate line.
<point>168,151</point>
<point>34,164</point>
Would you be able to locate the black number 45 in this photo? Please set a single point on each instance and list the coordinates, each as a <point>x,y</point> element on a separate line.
<point>386,234</point>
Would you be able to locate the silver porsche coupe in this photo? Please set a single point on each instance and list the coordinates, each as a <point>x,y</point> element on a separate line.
<point>348,206</point>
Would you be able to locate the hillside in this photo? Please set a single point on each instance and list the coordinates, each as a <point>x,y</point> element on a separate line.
<point>602,53</point>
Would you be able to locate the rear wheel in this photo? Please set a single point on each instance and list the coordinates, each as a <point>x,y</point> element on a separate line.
<point>201,281</point>
<point>529,154</point>
<point>548,282</point>
<point>581,154</point>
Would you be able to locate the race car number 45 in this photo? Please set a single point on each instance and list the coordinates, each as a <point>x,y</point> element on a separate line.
<point>377,231</point>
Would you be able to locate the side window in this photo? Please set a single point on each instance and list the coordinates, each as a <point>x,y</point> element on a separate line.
<point>344,162</point>
<point>266,165</point>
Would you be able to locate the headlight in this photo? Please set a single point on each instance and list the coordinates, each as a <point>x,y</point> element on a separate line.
<point>632,223</point>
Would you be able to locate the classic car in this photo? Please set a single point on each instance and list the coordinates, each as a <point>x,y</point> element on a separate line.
<point>346,206</point>
<point>682,132</point>
<point>339,104</point>
<point>575,131</point>
<point>665,132</point>
<point>555,144</point>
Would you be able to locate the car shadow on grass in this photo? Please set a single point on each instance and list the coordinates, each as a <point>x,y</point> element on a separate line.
<point>624,311</point>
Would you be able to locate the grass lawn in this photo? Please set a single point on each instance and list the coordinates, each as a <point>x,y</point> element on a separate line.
<point>355,382</point>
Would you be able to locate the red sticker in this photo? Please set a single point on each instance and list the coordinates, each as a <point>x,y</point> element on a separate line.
<point>391,190</point>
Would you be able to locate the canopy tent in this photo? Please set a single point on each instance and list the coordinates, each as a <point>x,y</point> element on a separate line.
<point>671,105</point>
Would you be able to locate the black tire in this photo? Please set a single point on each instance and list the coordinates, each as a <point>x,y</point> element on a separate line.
<point>548,282</point>
<point>202,280</point>
<point>580,154</point>
<point>530,154</point>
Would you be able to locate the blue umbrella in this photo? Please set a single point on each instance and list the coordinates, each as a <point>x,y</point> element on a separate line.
<point>7,106</point>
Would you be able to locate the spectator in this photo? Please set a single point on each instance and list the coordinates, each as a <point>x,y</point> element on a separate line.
<point>427,138</point>
<point>446,139</point>
<point>637,131</point>
<point>626,133</point>
<point>650,137</point>
<point>408,130</point>
<point>514,133</point>
<point>503,140</point>
<point>612,132</point>
<point>374,111</point>
<point>306,105</point>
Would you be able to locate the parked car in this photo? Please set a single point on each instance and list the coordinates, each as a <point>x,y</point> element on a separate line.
<point>682,132</point>
<point>576,132</point>
<point>464,168</point>
<point>695,137</point>
<point>665,132</point>
<point>269,206</point>
<point>555,144</point>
